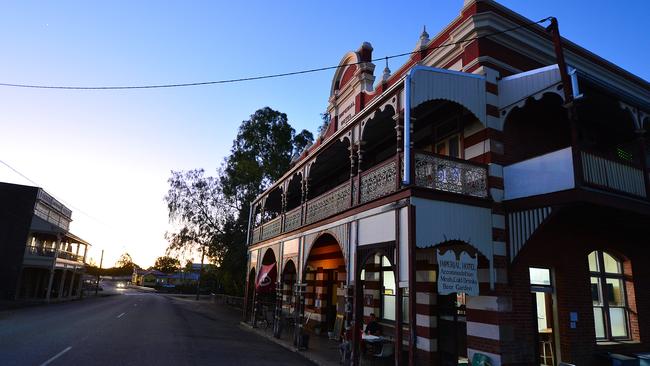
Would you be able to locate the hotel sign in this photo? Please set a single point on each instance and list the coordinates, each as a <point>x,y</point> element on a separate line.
<point>347,111</point>
<point>457,274</point>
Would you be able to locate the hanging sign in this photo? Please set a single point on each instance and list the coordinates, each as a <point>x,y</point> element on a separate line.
<point>457,275</point>
<point>266,278</point>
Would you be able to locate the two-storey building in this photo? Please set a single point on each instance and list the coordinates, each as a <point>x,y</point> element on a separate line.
<point>489,196</point>
<point>40,260</point>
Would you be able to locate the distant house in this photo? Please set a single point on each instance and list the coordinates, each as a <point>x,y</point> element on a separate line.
<point>39,258</point>
<point>148,278</point>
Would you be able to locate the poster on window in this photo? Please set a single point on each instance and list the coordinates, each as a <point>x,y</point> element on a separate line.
<point>457,274</point>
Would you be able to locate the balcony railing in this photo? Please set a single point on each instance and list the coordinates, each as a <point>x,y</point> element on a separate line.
<point>272,228</point>
<point>69,256</point>
<point>293,219</point>
<point>379,181</point>
<point>450,175</point>
<point>329,203</point>
<point>613,175</point>
<point>40,251</point>
<point>431,171</point>
<point>561,170</point>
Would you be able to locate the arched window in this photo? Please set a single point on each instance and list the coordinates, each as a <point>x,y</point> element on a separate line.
<point>611,318</point>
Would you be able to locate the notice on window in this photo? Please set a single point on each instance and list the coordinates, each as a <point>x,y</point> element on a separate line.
<point>457,275</point>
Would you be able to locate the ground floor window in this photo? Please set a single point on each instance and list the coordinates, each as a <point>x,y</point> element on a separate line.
<point>611,318</point>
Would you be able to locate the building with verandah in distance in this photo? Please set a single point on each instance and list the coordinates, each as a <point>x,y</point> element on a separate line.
<point>40,260</point>
<point>508,218</point>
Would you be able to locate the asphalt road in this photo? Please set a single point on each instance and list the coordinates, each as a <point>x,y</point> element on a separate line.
<point>134,328</point>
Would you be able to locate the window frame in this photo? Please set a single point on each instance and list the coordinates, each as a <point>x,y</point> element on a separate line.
<point>602,276</point>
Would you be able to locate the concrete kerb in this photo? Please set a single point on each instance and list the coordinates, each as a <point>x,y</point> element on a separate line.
<point>307,355</point>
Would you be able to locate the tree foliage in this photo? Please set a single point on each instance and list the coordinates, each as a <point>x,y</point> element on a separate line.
<point>166,264</point>
<point>212,212</point>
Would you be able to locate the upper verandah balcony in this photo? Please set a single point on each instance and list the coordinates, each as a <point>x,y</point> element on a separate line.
<point>372,156</point>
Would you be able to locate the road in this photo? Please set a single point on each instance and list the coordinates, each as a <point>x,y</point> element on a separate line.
<point>134,328</point>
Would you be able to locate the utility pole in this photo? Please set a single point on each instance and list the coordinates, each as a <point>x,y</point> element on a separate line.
<point>198,283</point>
<point>101,260</point>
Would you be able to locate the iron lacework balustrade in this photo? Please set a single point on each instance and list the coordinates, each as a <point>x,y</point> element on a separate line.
<point>446,174</point>
<point>431,171</point>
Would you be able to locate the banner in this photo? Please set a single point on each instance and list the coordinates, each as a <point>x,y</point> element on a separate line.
<point>457,275</point>
<point>266,278</point>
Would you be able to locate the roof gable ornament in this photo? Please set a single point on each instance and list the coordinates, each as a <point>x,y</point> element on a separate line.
<point>424,39</point>
<point>386,75</point>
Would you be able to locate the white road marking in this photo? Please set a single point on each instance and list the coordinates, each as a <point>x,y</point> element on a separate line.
<point>119,316</point>
<point>56,356</point>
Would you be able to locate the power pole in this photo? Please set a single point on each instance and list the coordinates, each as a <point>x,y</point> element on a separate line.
<point>101,260</point>
<point>198,283</point>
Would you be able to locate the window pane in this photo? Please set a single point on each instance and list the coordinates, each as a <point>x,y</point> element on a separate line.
<point>593,262</point>
<point>389,282</point>
<point>599,323</point>
<point>388,307</point>
<point>540,276</point>
<point>363,274</point>
<point>615,294</point>
<point>385,262</point>
<point>595,291</point>
<point>618,319</point>
<point>611,264</point>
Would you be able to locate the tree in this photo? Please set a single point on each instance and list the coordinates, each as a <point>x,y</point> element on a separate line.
<point>125,261</point>
<point>196,204</point>
<point>166,264</point>
<point>212,213</point>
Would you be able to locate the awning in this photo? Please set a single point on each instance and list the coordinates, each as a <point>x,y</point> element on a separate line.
<point>266,278</point>
<point>515,89</point>
<point>468,90</point>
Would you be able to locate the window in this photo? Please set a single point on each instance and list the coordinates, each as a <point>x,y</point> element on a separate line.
<point>608,296</point>
<point>449,146</point>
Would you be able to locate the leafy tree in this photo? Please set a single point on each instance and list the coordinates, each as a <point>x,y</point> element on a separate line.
<point>196,204</point>
<point>166,264</point>
<point>125,261</point>
<point>212,213</point>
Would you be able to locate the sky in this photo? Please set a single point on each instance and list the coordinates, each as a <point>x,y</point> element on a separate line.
<point>108,154</point>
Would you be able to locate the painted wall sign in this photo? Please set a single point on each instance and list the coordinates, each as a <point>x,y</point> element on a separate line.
<point>347,112</point>
<point>457,275</point>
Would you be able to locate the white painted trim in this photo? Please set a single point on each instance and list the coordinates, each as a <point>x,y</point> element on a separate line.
<point>482,330</point>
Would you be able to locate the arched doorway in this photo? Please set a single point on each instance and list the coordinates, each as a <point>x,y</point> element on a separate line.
<point>325,275</point>
<point>381,306</point>
<point>289,276</point>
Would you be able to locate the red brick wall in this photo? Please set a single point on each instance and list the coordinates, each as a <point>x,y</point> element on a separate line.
<point>563,245</point>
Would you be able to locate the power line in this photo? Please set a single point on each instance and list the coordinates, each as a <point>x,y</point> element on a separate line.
<point>261,77</point>
<point>50,193</point>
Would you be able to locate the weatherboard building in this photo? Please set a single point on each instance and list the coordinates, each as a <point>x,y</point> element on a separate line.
<point>487,199</point>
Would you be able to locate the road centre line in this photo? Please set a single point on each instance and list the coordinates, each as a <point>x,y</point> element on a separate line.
<point>56,356</point>
<point>119,316</point>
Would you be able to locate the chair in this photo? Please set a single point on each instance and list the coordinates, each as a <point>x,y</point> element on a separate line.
<point>387,350</point>
<point>547,344</point>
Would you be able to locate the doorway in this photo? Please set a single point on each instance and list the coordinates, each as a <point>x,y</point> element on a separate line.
<point>452,327</point>
<point>545,315</point>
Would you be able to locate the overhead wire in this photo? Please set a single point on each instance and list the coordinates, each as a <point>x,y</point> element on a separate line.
<point>269,76</point>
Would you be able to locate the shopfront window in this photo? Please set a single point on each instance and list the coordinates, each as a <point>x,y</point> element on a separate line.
<point>608,296</point>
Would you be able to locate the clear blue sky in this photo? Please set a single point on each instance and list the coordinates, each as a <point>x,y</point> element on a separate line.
<point>109,153</point>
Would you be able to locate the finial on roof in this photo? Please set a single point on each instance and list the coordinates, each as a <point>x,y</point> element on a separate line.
<point>424,39</point>
<point>386,75</point>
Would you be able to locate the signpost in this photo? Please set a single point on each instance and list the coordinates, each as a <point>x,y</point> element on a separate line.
<point>457,273</point>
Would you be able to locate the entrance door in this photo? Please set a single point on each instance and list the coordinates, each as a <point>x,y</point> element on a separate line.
<point>452,329</point>
<point>544,310</point>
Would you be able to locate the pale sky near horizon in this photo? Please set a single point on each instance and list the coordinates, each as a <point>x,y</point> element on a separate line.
<point>108,154</point>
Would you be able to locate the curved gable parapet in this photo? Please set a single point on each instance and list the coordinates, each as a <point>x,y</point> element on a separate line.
<point>348,63</point>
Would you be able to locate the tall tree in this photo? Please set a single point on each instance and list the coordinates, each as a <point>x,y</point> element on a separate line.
<point>196,204</point>
<point>167,264</point>
<point>213,213</point>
